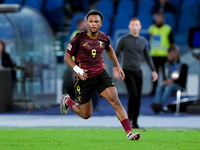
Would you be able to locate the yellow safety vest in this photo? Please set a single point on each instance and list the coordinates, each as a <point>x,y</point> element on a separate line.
<point>72,35</point>
<point>159,41</point>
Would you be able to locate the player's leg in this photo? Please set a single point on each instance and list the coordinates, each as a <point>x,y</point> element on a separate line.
<point>83,110</point>
<point>106,88</point>
<point>111,95</point>
<point>83,91</point>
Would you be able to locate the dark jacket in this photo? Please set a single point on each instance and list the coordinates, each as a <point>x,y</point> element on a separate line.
<point>6,60</point>
<point>181,68</point>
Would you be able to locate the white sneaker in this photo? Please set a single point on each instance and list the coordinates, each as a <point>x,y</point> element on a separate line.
<point>135,136</point>
<point>63,106</point>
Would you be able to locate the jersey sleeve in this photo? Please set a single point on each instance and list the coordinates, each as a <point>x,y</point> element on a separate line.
<point>108,45</point>
<point>71,48</point>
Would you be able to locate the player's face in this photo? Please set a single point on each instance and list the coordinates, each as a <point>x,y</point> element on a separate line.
<point>94,23</point>
<point>135,26</point>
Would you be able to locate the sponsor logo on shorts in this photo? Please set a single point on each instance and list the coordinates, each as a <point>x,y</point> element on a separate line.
<point>79,99</point>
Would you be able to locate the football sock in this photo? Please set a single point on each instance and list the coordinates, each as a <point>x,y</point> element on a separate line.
<point>70,103</point>
<point>126,125</point>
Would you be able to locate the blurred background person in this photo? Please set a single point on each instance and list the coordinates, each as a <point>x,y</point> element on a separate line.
<point>176,77</point>
<point>161,37</point>
<point>163,6</point>
<point>81,25</point>
<point>5,60</point>
<point>134,47</point>
<point>68,83</point>
<point>95,101</point>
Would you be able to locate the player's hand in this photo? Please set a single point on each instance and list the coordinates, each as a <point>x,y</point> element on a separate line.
<point>155,76</point>
<point>84,76</point>
<point>121,73</point>
<point>115,73</point>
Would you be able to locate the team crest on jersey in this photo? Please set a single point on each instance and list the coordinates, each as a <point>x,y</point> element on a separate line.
<point>100,43</point>
<point>69,47</point>
<point>86,44</point>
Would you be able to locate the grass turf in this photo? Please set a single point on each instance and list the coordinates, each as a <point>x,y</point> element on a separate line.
<point>97,139</point>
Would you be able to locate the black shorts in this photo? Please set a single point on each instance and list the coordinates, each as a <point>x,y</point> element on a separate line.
<point>84,89</point>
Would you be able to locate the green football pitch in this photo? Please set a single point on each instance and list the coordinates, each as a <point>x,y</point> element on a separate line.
<point>97,139</point>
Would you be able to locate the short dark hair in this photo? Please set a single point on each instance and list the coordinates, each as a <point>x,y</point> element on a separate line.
<point>173,48</point>
<point>94,12</point>
<point>3,45</point>
<point>134,18</point>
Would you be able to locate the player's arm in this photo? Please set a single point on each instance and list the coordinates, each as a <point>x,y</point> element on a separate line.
<point>71,50</point>
<point>81,72</point>
<point>69,61</point>
<point>112,56</point>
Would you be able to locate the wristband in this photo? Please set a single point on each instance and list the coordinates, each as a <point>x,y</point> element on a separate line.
<point>78,70</point>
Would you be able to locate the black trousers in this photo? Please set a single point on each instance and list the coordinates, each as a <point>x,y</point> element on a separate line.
<point>133,81</point>
<point>158,62</point>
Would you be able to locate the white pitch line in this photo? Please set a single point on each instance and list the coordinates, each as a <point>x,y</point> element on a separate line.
<point>105,121</point>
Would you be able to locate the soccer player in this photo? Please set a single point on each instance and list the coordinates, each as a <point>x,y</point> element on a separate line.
<point>87,46</point>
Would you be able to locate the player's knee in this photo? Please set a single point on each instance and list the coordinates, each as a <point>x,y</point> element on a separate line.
<point>87,115</point>
<point>114,98</point>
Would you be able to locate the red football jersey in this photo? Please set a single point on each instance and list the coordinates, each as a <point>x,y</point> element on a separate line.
<point>88,52</point>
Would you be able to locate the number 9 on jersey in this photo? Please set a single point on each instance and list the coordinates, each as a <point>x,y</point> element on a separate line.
<point>94,52</point>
